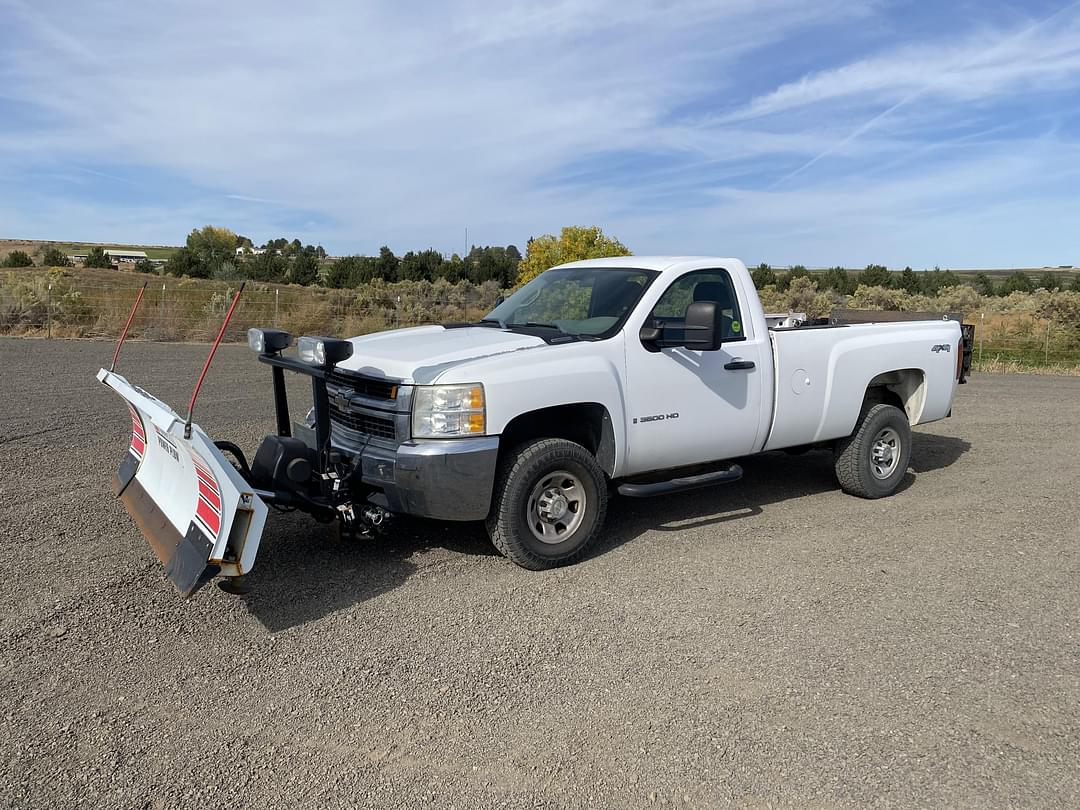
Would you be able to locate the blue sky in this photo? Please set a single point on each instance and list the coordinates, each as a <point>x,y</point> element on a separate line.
<point>850,132</point>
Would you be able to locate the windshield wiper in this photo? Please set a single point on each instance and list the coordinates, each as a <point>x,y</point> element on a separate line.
<point>499,322</point>
<point>543,326</point>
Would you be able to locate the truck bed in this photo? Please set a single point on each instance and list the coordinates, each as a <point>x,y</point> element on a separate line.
<point>822,371</point>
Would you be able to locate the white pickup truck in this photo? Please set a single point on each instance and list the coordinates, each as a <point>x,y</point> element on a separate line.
<point>646,375</point>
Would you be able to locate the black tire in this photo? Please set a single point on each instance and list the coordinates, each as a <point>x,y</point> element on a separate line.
<point>861,472</point>
<point>533,468</point>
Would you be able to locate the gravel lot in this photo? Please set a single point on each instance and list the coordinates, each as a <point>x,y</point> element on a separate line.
<point>774,642</point>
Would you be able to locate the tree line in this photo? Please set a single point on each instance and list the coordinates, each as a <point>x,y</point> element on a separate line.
<point>926,282</point>
<point>213,252</point>
<point>216,252</point>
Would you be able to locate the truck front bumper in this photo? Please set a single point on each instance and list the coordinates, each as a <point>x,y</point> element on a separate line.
<point>446,479</point>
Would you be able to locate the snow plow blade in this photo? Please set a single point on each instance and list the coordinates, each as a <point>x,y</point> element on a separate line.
<point>199,515</point>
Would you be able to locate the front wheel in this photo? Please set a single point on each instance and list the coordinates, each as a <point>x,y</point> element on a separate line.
<point>549,504</point>
<point>874,459</point>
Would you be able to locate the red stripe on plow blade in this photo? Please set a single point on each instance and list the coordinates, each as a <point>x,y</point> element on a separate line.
<point>211,498</point>
<point>208,517</point>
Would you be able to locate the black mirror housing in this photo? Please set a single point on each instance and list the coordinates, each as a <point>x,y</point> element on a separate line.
<point>702,326</point>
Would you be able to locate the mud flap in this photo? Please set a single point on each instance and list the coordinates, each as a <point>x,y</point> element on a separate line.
<point>196,511</point>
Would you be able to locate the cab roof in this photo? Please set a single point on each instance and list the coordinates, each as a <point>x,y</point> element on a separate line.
<point>658,263</point>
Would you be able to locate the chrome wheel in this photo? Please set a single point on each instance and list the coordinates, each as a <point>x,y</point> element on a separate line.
<point>556,507</point>
<point>885,453</point>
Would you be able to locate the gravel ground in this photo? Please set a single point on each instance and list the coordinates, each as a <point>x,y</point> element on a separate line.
<point>774,642</point>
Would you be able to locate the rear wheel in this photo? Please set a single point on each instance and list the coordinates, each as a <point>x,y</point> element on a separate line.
<point>549,504</point>
<point>872,462</point>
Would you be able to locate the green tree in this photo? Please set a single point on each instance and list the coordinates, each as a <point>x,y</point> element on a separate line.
<point>184,262</point>
<point>875,275</point>
<point>386,265</point>
<point>798,271</point>
<point>452,269</point>
<point>908,281</point>
<point>340,273</point>
<point>18,258</point>
<point>54,257</point>
<point>268,266</point>
<point>572,244</point>
<point>1017,282</point>
<point>984,284</point>
<point>95,257</point>
<point>763,276</point>
<point>145,266</point>
<point>838,280</point>
<point>1075,284</point>
<point>1049,281</point>
<point>304,269</point>
<point>933,281</point>
<point>212,246</point>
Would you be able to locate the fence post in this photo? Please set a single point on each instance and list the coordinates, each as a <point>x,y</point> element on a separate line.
<point>277,294</point>
<point>1046,350</point>
<point>982,333</point>
<point>161,311</point>
<point>48,313</point>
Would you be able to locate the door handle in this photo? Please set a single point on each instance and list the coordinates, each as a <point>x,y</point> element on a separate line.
<point>739,365</point>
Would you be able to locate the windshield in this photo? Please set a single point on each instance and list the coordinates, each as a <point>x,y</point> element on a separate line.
<point>591,301</point>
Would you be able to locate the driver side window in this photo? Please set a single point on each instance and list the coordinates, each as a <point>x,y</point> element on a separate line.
<point>701,285</point>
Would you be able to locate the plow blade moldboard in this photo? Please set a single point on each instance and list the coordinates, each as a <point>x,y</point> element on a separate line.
<point>199,515</point>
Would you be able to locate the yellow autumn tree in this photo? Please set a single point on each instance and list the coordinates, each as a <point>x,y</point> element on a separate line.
<point>572,244</point>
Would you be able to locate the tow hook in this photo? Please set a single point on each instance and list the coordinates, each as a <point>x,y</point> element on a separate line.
<point>375,516</point>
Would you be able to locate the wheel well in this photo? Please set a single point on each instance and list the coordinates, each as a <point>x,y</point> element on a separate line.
<point>586,423</point>
<point>903,388</point>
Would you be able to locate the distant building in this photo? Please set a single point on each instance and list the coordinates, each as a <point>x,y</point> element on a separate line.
<point>125,256</point>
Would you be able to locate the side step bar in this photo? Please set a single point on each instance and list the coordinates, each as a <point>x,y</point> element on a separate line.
<point>732,473</point>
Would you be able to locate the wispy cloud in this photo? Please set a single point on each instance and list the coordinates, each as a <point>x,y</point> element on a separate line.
<point>666,122</point>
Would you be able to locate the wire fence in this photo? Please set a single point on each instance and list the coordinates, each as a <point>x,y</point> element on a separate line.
<point>1025,343</point>
<point>43,305</point>
<point>172,310</point>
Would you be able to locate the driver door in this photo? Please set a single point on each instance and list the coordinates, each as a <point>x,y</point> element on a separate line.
<point>686,406</point>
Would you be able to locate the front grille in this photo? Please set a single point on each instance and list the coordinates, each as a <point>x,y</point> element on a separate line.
<point>364,386</point>
<point>366,423</point>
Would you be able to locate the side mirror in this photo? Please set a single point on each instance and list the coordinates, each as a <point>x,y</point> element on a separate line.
<point>650,334</point>
<point>702,326</point>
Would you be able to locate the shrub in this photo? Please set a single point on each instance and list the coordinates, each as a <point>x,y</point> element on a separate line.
<point>18,258</point>
<point>54,257</point>
<point>878,297</point>
<point>96,257</point>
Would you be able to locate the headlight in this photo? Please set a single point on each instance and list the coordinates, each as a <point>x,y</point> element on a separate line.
<point>445,411</point>
<point>321,351</point>
<point>268,341</point>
